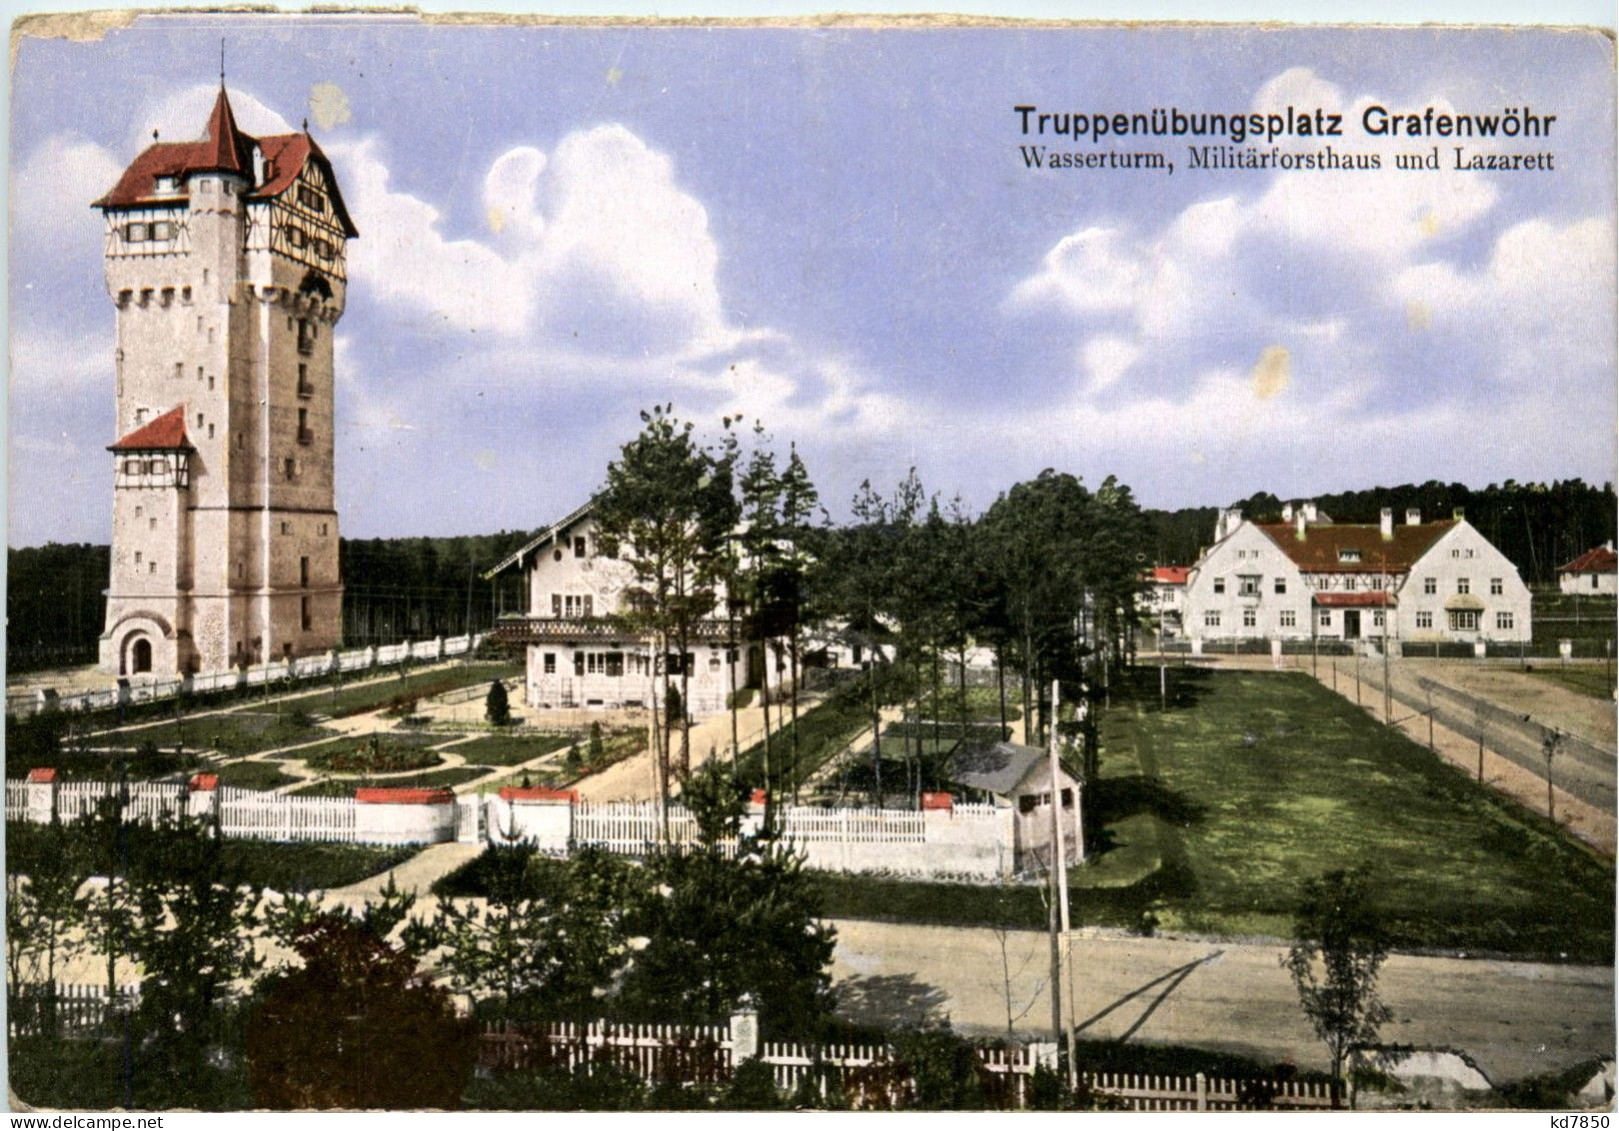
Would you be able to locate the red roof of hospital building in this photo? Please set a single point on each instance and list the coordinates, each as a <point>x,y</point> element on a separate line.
<point>1168,575</point>
<point>166,433</point>
<point>1323,546</point>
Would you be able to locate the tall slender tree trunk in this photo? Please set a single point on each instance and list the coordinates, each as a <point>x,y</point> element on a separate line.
<point>876,734</point>
<point>792,659</point>
<point>764,703</point>
<point>1000,679</point>
<point>733,654</point>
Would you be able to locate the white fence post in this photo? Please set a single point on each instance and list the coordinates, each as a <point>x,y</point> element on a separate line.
<point>744,1043</point>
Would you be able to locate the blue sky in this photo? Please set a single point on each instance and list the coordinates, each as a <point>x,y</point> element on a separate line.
<point>832,231</point>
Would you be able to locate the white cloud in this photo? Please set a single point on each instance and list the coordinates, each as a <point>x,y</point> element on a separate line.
<point>183,116</point>
<point>595,243</point>
<point>1107,358</point>
<point>52,187</point>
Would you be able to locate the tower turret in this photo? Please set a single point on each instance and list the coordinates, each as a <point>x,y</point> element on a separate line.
<point>225,259</point>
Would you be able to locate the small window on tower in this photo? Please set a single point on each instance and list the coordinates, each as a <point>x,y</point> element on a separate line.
<point>210,384</point>
<point>210,431</point>
<point>289,468</point>
<point>139,511</point>
<point>138,557</point>
<point>151,523</point>
<point>163,230</point>
<point>135,232</point>
<point>286,528</point>
<point>151,567</point>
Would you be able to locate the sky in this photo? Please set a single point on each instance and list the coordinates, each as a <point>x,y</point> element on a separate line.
<point>834,232</point>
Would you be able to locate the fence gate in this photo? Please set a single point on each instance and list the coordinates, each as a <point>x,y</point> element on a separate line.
<point>469,816</point>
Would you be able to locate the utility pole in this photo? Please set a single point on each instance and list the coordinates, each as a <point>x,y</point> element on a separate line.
<point>1059,875</point>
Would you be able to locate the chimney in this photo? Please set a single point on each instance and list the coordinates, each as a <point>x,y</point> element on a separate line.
<point>1385,524</point>
<point>1287,512</point>
<point>1413,517</point>
<point>1300,516</point>
<point>1309,512</point>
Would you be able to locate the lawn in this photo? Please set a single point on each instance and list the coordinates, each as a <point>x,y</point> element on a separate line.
<point>433,779</point>
<point>252,775</point>
<point>374,754</point>
<point>247,731</point>
<point>359,698</point>
<point>1257,781</point>
<point>823,731</point>
<point>512,749</point>
<point>279,867</point>
<point>1595,680</point>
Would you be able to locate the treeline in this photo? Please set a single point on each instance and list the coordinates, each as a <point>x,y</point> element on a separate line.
<point>394,589</point>
<point>411,588</point>
<point>55,604</point>
<point>1539,527</point>
<point>414,588</point>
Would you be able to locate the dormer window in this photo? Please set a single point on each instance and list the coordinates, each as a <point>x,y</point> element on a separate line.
<point>1349,557</point>
<point>168,185</point>
<point>310,199</point>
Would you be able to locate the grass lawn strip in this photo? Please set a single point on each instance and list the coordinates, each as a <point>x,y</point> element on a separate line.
<point>433,779</point>
<point>245,731</point>
<point>1262,780</point>
<point>1594,680</point>
<point>513,750</point>
<point>281,867</point>
<point>252,775</point>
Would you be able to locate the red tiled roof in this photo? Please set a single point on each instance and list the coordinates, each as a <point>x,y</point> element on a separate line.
<point>203,783</point>
<point>1319,551</point>
<point>1169,575</point>
<point>166,433</point>
<point>932,800</point>
<point>225,149</point>
<point>1376,599</point>
<point>538,793</point>
<point>381,795</point>
<point>1599,560</point>
<point>229,150</point>
<point>42,774</point>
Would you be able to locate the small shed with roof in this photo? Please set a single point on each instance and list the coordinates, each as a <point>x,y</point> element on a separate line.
<point>1593,573</point>
<point>1019,776</point>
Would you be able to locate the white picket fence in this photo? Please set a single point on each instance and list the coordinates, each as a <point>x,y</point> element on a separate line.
<point>865,1076</point>
<point>241,812</point>
<point>266,816</point>
<point>22,703</point>
<point>627,827</point>
<point>79,1008</point>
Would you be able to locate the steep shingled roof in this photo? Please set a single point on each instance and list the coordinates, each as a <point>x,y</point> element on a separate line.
<point>166,433</point>
<point>1322,545</point>
<point>225,149</point>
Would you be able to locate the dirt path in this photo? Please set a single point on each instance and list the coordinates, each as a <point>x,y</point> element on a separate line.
<point>1518,691</point>
<point>1517,1019</point>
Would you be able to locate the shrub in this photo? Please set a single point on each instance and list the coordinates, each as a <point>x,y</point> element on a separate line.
<point>497,707</point>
